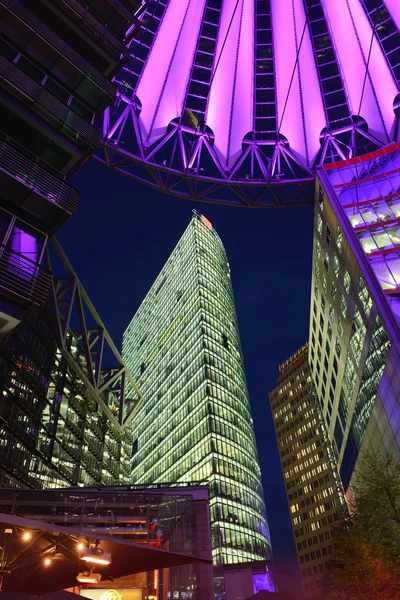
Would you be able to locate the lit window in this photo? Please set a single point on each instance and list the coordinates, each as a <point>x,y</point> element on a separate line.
<point>347,281</point>
<point>339,237</point>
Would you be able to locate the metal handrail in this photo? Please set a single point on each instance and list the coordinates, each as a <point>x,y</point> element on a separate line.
<point>130,16</point>
<point>89,21</point>
<point>61,46</point>
<point>23,277</point>
<point>72,124</point>
<point>35,176</point>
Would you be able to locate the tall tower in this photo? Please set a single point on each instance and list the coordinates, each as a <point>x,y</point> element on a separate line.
<point>313,489</point>
<point>195,423</point>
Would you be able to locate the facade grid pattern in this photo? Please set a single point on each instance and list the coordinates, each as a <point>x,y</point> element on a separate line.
<point>53,434</point>
<point>195,423</point>
<point>351,343</point>
<point>313,488</point>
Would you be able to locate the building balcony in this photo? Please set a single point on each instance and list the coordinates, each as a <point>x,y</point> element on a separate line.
<point>70,67</point>
<point>90,22</point>
<point>39,100</point>
<point>26,183</point>
<point>22,281</point>
<point>116,15</point>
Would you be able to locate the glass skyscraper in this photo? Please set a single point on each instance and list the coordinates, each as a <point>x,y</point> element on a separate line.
<point>354,326</point>
<point>195,422</point>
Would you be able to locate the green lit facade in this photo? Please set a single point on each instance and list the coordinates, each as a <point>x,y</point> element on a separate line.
<point>195,422</point>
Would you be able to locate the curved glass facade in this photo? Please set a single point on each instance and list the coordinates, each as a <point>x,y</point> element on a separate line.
<point>195,422</point>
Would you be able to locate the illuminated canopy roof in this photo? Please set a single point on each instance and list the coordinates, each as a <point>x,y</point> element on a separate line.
<point>45,534</point>
<point>238,101</point>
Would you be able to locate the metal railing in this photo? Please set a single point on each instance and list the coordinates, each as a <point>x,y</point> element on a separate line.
<point>40,100</point>
<point>89,21</point>
<point>61,46</point>
<point>33,174</point>
<point>23,278</point>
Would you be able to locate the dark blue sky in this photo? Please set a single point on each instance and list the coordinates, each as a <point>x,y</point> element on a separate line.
<point>121,237</point>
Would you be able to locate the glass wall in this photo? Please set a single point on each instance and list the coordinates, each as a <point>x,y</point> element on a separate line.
<point>353,342</point>
<point>183,348</point>
<point>53,433</point>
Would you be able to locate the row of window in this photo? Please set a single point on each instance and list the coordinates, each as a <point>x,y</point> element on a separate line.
<point>312,541</point>
<point>316,554</point>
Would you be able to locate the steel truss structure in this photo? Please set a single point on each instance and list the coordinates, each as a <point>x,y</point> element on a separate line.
<point>66,384</point>
<point>238,101</point>
<point>106,385</point>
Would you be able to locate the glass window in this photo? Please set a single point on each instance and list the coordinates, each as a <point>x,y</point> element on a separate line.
<point>335,265</point>
<point>321,197</point>
<point>339,237</point>
<point>347,281</point>
<point>364,296</point>
<point>328,235</point>
<point>319,223</point>
<point>343,307</point>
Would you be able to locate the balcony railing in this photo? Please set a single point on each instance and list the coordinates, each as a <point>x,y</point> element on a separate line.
<point>33,174</point>
<point>45,104</point>
<point>22,278</point>
<point>64,49</point>
<point>97,28</point>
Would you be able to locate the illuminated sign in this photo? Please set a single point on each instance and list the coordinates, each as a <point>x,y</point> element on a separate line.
<point>206,222</point>
<point>104,594</point>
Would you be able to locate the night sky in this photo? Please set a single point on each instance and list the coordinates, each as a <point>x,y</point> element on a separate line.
<point>121,237</point>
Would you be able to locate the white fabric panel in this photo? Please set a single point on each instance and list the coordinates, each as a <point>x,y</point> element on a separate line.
<point>230,109</point>
<point>164,80</point>
<point>304,117</point>
<point>393,7</point>
<point>377,101</point>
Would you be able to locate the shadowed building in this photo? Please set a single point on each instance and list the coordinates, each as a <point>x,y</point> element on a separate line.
<point>312,484</point>
<point>64,410</point>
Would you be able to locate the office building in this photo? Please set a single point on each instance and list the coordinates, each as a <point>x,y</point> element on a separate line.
<point>57,62</point>
<point>354,326</point>
<point>183,348</point>
<point>313,488</point>
<point>64,411</point>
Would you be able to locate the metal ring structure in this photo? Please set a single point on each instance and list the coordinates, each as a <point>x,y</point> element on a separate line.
<point>239,101</point>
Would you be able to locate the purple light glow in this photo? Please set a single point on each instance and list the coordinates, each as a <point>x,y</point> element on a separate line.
<point>230,110</point>
<point>303,118</point>
<point>221,84</point>
<point>25,245</point>
<point>351,29</point>
<point>263,581</point>
<point>368,190</point>
<point>163,84</point>
<point>393,7</point>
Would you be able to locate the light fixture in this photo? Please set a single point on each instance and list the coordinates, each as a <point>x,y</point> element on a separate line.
<point>96,556</point>
<point>27,536</point>
<point>81,546</point>
<point>88,577</point>
<point>47,562</point>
